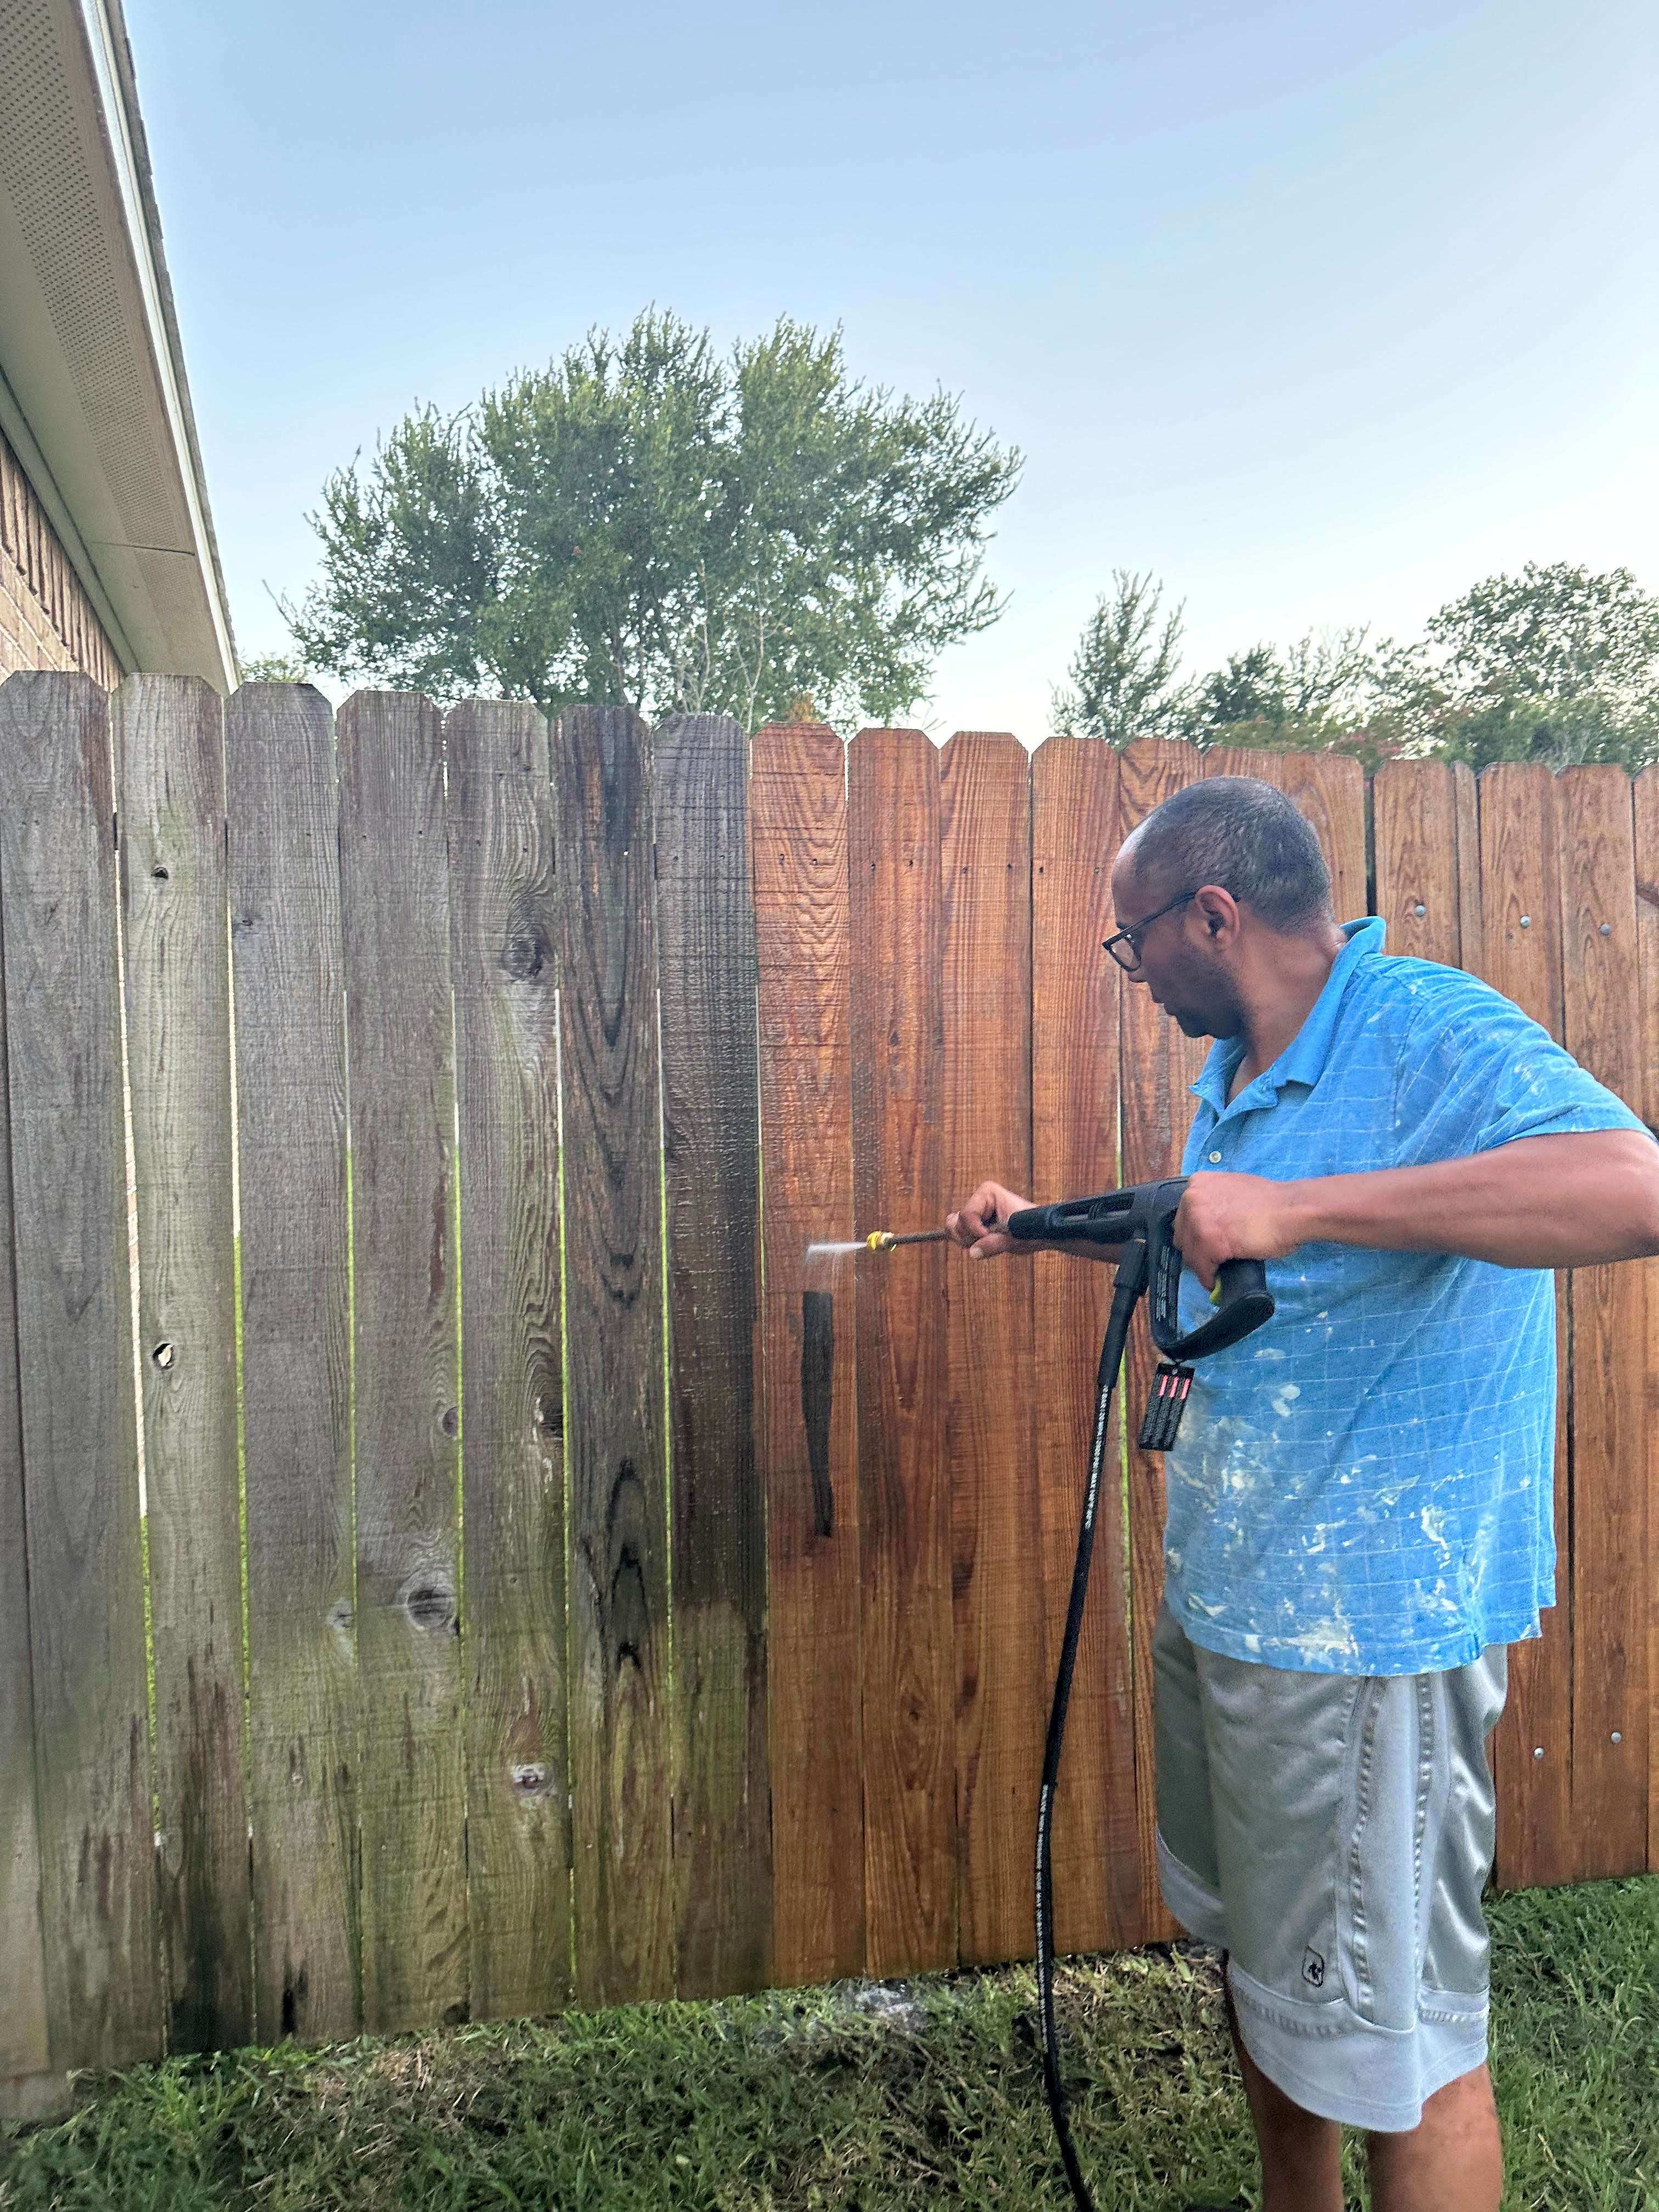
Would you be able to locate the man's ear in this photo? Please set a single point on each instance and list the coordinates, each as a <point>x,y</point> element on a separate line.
<point>1218,907</point>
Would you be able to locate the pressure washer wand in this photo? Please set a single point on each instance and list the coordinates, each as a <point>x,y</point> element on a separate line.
<point>884,1240</point>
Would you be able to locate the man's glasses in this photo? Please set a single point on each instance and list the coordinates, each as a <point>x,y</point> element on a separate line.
<point>1124,945</point>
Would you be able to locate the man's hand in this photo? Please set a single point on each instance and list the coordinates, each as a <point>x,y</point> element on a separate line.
<point>972,1227</point>
<point>1236,1217</point>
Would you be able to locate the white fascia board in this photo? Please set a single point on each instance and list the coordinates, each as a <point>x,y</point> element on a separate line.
<point>101,45</point>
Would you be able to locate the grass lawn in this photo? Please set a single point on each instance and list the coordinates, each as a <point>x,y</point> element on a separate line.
<point>861,2098</point>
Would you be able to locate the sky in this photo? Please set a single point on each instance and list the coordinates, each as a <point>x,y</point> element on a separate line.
<point>1318,313</point>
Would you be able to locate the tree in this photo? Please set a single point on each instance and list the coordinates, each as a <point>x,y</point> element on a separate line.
<point>647,524</point>
<point>1304,695</point>
<point>1557,664</point>
<point>274,668</point>
<point>1556,633</point>
<point>1123,675</point>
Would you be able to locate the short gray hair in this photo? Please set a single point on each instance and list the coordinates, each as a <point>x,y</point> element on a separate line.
<point>1245,836</point>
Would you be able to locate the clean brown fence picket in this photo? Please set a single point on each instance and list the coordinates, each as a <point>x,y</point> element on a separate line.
<point>808,1429</point>
<point>904,1503</point>
<point>1611,1700</point>
<point>1520,907</point>
<point>170,794</point>
<point>1415,826</point>
<point>1645,793</point>
<point>997,1577</point>
<point>637,1603</point>
<point>1100,1898</point>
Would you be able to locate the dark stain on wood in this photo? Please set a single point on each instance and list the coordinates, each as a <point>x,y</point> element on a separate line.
<point>615,1457</point>
<point>818,1376</point>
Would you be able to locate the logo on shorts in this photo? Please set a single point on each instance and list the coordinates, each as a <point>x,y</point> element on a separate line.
<point>1313,1968</point>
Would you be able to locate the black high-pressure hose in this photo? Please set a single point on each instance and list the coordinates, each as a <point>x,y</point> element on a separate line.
<point>1131,1282</point>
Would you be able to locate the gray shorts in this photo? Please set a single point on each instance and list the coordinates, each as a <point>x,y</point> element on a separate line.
<point>1333,1833</point>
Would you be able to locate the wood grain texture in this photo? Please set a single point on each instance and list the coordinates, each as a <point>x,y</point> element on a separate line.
<point>808,1427</point>
<point>394,907</point>
<point>1414,814</point>
<point>909,1667</point>
<point>1098,1897</point>
<point>169,751</point>
<point>1520,907</point>
<point>1611,1697</point>
<point>288,1011</point>
<point>620,1738</point>
<point>711,1130</point>
<point>1329,789</point>
<point>997,1572</point>
<point>1470,923</point>
<point>1645,793</point>
<point>502,932</point>
<point>1237,760</point>
<point>57,882</point>
<point>25,2055</point>
<point>1157,1063</point>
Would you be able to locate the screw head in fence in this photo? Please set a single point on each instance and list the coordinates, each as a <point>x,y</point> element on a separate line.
<point>1538,1751</point>
<point>1606,929</point>
<point>1617,1736</point>
<point>1526,922</point>
<point>1420,909</point>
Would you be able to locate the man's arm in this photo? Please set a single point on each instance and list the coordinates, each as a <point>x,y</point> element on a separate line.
<point>1563,1201</point>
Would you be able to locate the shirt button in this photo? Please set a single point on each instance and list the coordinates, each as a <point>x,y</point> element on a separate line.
<point>1214,1157</point>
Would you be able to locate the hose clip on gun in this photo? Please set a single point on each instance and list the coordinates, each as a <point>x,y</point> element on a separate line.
<point>1141,1219</point>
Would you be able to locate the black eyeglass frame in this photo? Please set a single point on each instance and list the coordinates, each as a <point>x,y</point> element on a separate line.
<point>1138,929</point>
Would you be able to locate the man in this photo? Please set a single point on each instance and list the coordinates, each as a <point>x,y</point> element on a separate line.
<point>1359,1500</point>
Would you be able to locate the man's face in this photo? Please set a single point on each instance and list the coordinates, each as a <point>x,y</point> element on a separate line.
<point>1191,982</point>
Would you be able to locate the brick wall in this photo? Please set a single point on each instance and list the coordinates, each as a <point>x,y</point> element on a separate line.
<point>46,620</point>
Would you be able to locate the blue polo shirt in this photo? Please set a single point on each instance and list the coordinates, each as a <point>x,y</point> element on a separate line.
<point>1365,1486</point>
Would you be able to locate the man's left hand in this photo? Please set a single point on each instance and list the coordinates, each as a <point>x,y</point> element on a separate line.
<point>1236,1217</point>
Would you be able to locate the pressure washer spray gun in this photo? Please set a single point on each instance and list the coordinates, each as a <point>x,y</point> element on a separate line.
<point>1140,1218</point>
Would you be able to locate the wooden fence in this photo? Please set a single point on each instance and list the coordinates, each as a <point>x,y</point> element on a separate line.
<point>550,1591</point>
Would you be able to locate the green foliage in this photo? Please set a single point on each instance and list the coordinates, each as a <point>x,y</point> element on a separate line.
<point>1557,664</point>
<point>645,523</point>
<point>1554,633</point>
<point>1312,689</point>
<point>1315,697</point>
<point>1123,675</point>
<point>274,668</point>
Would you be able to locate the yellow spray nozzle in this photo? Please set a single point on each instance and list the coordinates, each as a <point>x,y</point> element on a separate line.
<point>884,1240</point>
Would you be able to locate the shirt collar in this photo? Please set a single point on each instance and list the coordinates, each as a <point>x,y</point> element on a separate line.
<point>1303,1059</point>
